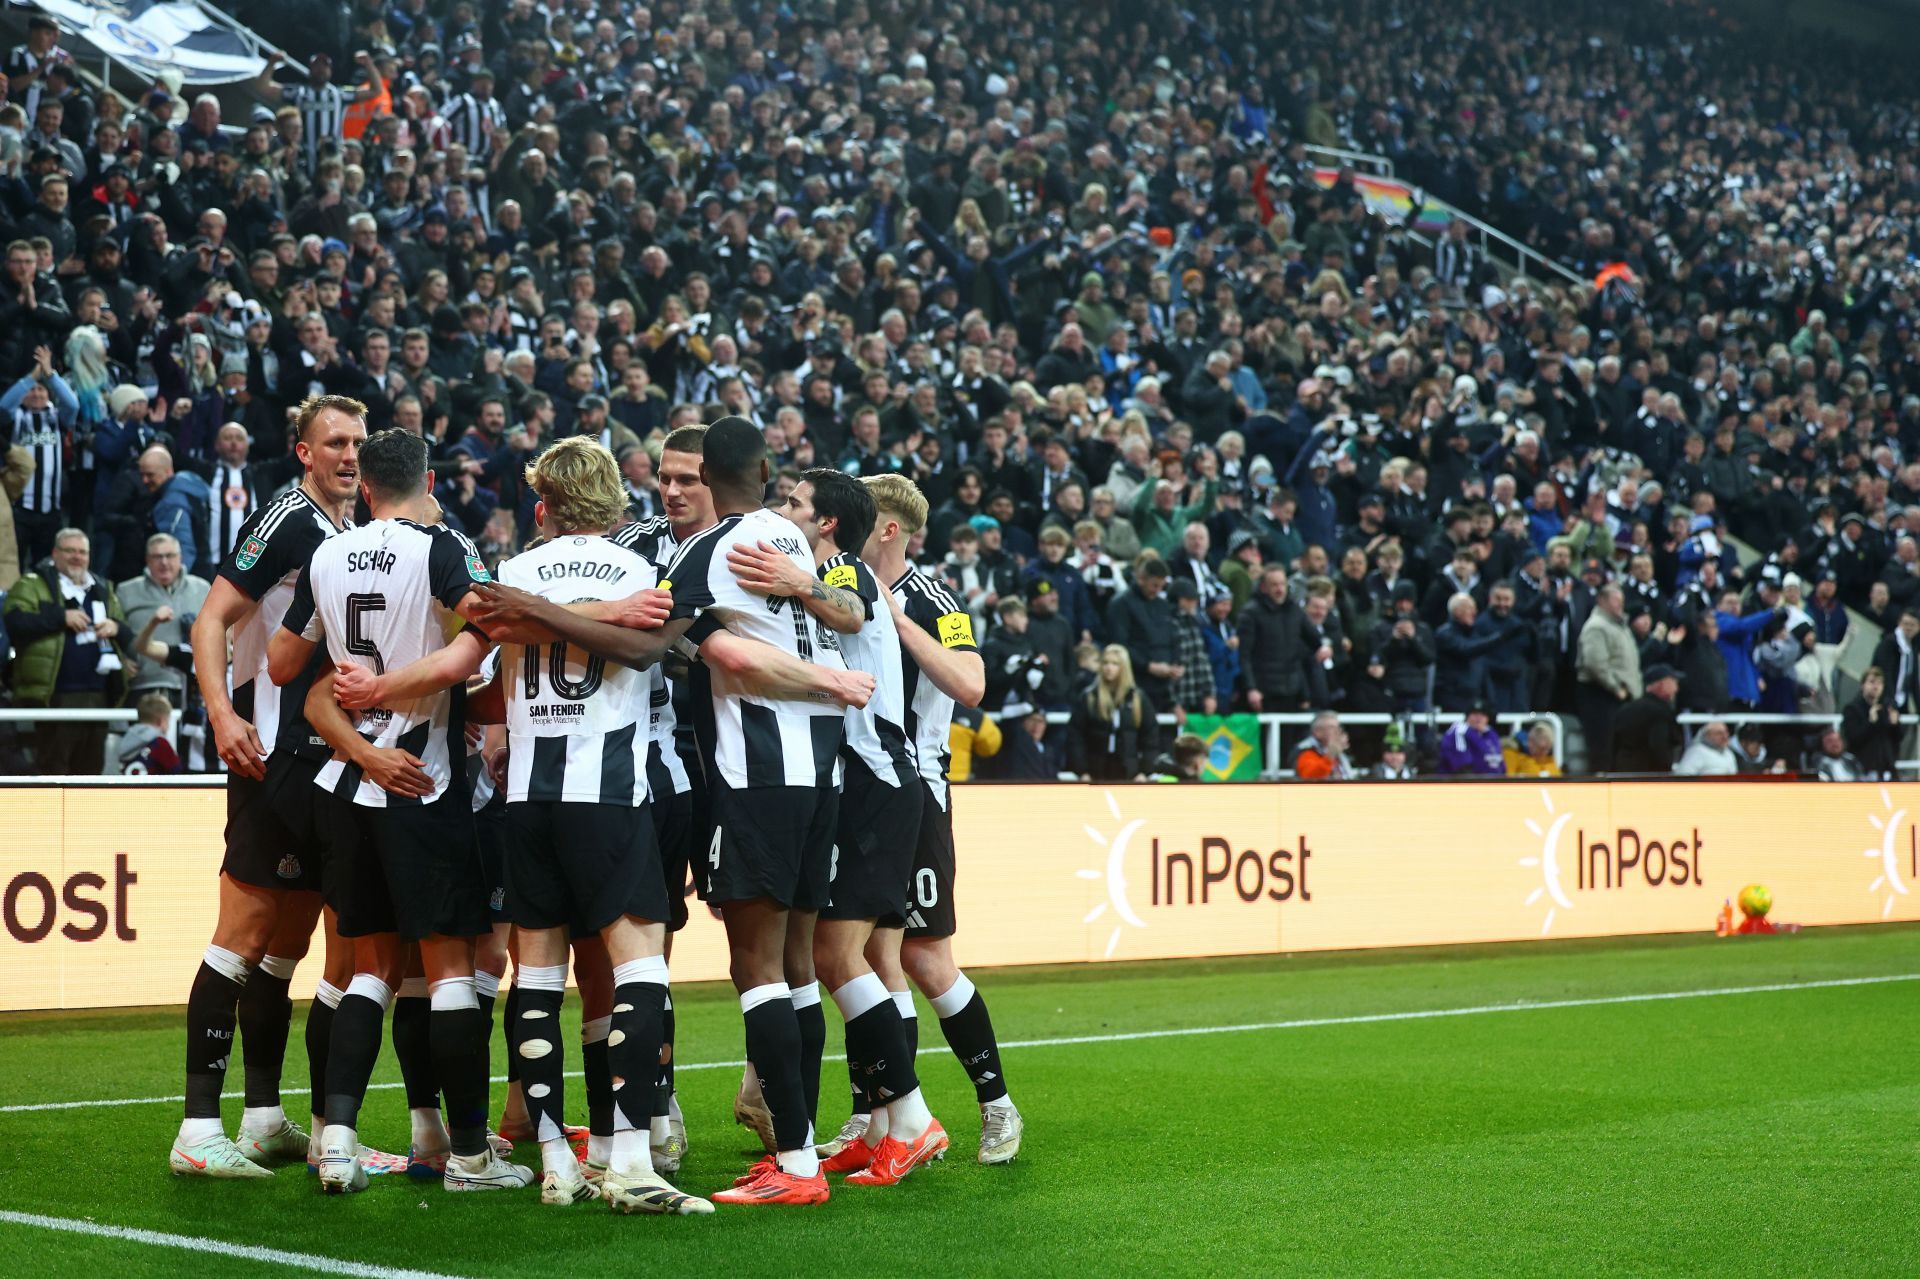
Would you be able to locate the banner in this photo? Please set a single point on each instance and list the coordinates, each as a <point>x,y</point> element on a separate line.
<point>148,36</point>
<point>1233,746</point>
<point>107,894</point>
<point>1393,200</point>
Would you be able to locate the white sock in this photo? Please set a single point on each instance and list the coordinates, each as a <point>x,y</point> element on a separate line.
<point>956,997</point>
<point>999,1103</point>
<point>599,1148</point>
<point>263,1121</point>
<point>279,966</point>
<point>861,995</point>
<point>340,1135</point>
<point>903,1000</point>
<point>429,1131</point>
<point>658,1131</point>
<point>452,993</point>
<point>630,1156</point>
<point>878,1126</point>
<point>800,1163</point>
<point>486,984</point>
<point>195,1131</point>
<point>327,993</point>
<point>908,1116</point>
<point>557,1156</point>
<point>226,963</point>
<point>673,1107</point>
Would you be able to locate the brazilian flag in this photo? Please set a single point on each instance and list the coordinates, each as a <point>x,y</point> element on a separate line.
<point>1233,746</point>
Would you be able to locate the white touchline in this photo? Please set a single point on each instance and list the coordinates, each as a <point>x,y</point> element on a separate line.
<point>1303,1023</point>
<point>194,1243</point>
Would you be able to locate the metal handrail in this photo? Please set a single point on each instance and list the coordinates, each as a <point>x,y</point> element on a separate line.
<point>1379,165</point>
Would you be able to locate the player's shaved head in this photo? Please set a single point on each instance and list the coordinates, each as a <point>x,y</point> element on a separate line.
<point>394,464</point>
<point>734,457</point>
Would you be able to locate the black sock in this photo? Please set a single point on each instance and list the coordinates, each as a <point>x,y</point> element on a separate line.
<point>459,1037</point>
<point>265,1013</point>
<point>969,1033</point>
<point>879,1039</point>
<point>594,1064</point>
<point>413,1045</point>
<point>319,1037</point>
<point>211,1005</point>
<point>663,1094</point>
<point>512,1011</point>
<point>536,1045</point>
<point>354,1047</point>
<point>813,1043</point>
<point>773,1045</point>
<point>861,1106</point>
<point>633,1049</point>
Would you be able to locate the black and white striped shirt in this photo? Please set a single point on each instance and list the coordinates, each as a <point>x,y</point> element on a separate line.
<point>578,727</point>
<point>876,732</point>
<point>933,608</point>
<point>274,547</point>
<point>752,741</point>
<point>383,596</point>
<point>323,114</point>
<point>40,433</point>
<point>231,502</point>
<point>671,753</point>
<point>472,122</point>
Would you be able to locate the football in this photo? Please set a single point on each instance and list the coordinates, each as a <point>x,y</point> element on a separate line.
<point>1755,901</point>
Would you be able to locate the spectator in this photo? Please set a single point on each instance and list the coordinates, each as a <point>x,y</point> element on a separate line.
<point>67,629</point>
<point>974,734</point>
<point>1646,735</point>
<point>1185,762</point>
<point>1751,754</point>
<point>160,606</point>
<point>1222,638</point>
<point>1394,765</point>
<point>1835,763</point>
<point>1112,723</point>
<point>1032,751</point>
<point>1142,622</point>
<point>1464,649</point>
<point>1871,727</point>
<point>1897,656</point>
<point>1710,754</point>
<point>1322,757</point>
<point>1052,640</point>
<point>1609,674</point>
<point>144,750</point>
<point>1471,748</point>
<point>1529,753</point>
<point>1015,671</point>
<point>1191,691</point>
<point>1279,659</point>
<point>180,504</point>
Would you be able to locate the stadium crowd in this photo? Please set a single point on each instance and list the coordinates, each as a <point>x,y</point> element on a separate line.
<point>1201,433</point>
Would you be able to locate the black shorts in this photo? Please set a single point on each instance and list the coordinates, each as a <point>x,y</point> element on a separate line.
<point>879,829</point>
<point>411,869</point>
<point>930,901</point>
<point>673,830</point>
<point>582,866</point>
<point>490,832</point>
<point>770,841</point>
<point>275,835</point>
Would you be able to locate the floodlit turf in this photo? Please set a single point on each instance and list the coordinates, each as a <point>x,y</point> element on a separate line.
<point>1766,1133</point>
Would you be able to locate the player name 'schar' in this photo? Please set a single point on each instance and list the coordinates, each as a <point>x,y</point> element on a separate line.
<point>1603,866</point>
<point>589,569</point>
<point>1252,874</point>
<point>378,560</point>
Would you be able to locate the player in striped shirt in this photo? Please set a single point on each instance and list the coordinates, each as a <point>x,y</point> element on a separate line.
<point>773,751</point>
<point>879,826</point>
<point>270,875</point>
<point>403,861</point>
<point>942,666</point>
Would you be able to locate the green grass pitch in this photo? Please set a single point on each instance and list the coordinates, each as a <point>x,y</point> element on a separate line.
<point>1770,1132</point>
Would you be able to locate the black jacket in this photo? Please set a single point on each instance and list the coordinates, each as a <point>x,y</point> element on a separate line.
<point>1276,655</point>
<point>1645,736</point>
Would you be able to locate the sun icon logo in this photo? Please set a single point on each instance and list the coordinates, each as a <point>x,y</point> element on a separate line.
<point>1889,876</point>
<point>1548,862</point>
<point>1115,873</point>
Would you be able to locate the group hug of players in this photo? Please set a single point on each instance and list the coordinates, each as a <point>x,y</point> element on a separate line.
<point>463,770</point>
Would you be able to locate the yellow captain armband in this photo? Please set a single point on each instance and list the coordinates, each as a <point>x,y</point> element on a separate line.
<point>844,576</point>
<point>956,629</point>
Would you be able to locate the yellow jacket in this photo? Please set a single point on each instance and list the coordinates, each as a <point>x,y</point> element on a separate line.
<point>965,740</point>
<point>1521,764</point>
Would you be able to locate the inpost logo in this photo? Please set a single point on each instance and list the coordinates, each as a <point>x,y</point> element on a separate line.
<point>1185,872</point>
<point>1888,852</point>
<point>1628,859</point>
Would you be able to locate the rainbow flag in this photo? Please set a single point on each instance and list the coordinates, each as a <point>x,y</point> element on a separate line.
<point>1392,199</point>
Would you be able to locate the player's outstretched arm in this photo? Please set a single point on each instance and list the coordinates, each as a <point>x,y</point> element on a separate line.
<point>505,610</point>
<point>763,570</point>
<point>959,673</point>
<point>394,771</point>
<point>356,687</point>
<point>642,610</point>
<point>765,671</point>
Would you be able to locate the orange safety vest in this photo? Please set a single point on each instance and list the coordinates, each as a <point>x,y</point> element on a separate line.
<point>363,112</point>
